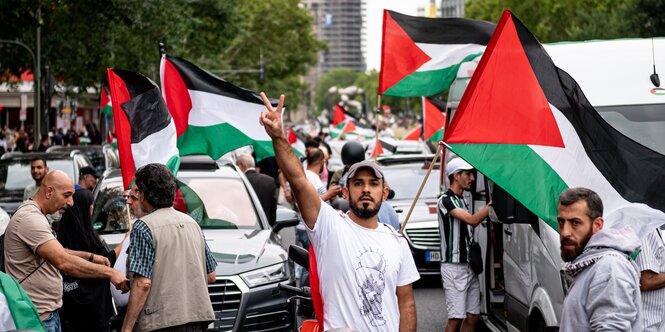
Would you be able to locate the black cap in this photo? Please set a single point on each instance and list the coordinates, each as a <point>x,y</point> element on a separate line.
<point>87,170</point>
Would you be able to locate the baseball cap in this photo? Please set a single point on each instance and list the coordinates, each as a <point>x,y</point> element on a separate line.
<point>457,164</point>
<point>87,170</point>
<point>374,167</point>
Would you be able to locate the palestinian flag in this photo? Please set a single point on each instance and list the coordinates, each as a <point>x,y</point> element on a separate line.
<point>144,129</point>
<point>339,116</point>
<point>17,312</point>
<point>105,103</point>
<point>212,116</point>
<point>420,56</point>
<point>414,135</point>
<point>378,149</point>
<point>296,142</point>
<point>434,119</point>
<point>527,125</point>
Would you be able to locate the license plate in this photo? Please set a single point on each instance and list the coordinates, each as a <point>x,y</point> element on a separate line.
<point>432,256</point>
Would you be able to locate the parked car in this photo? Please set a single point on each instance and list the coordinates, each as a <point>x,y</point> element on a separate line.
<point>102,157</point>
<point>252,261</point>
<point>404,174</point>
<point>15,173</point>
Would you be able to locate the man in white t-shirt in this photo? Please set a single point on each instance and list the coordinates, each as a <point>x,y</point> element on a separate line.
<point>365,268</point>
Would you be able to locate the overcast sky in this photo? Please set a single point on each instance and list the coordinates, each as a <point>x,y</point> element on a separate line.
<point>374,21</point>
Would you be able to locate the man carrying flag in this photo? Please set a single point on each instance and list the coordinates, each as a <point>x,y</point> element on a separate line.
<point>361,288</point>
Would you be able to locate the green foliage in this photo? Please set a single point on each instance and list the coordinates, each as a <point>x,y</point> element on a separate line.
<point>564,20</point>
<point>80,39</point>
<point>341,78</point>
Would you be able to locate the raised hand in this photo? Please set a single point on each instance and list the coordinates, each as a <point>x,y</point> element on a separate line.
<point>272,118</point>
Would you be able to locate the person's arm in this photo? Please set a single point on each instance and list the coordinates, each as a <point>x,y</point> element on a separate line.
<point>407,309</point>
<point>289,163</point>
<point>75,266</point>
<point>471,219</point>
<point>140,289</point>
<point>118,248</point>
<point>97,259</point>
<point>287,191</point>
<point>650,280</point>
<point>211,265</point>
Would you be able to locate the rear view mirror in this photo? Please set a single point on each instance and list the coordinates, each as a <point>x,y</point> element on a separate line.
<point>508,210</point>
<point>299,255</point>
<point>285,218</point>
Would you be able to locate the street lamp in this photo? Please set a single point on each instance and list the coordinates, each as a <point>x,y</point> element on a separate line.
<point>36,80</point>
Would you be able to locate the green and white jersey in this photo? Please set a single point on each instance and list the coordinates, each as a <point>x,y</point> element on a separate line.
<point>455,234</point>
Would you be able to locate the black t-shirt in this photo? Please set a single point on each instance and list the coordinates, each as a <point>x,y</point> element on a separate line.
<point>454,232</point>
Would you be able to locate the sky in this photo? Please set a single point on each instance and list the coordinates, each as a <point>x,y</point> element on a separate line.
<point>374,21</point>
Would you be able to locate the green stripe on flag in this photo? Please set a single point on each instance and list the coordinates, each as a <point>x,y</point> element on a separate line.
<point>436,137</point>
<point>536,185</point>
<point>226,138</point>
<point>108,109</point>
<point>173,164</point>
<point>427,83</point>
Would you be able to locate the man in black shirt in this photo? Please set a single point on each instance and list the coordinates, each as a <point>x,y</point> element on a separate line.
<point>263,185</point>
<point>455,225</point>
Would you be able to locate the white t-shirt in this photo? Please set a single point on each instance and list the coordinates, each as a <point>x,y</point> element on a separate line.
<point>315,180</point>
<point>359,272</point>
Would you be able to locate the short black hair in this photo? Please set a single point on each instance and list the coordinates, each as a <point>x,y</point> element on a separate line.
<point>157,184</point>
<point>314,155</point>
<point>594,203</point>
<point>311,144</point>
<point>38,159</point>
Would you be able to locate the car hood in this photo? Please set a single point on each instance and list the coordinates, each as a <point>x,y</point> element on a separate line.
<point>238,251</point>
<point>421,212</point>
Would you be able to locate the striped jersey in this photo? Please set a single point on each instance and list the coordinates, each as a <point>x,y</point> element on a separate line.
<point>455,234</point>
<point>652,257</point>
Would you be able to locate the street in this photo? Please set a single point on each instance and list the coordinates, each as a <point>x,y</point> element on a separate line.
<point>430,303</point>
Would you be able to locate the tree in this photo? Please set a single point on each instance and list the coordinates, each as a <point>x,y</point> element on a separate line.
<point>340,78</point>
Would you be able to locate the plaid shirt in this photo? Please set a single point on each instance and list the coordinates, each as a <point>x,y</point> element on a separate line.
<point>142,252</point>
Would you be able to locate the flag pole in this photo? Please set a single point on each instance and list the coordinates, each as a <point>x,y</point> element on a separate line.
<point>376,115</point>
<point>422,185</point>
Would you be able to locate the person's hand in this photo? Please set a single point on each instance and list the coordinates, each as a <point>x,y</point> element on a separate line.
<point>98,259</point>
<point>288,195</point>
<point>271,120</point>
<point>120,281</point>
<point>334,190</point>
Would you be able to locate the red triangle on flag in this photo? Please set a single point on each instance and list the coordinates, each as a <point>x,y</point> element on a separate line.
<point>104,100</point>
<point>378,149</point>
<point>176,96</point>
<point>292,137</point>
<point>504,93</point>
<point>414,134</point>
<point>433,119</point>
<point>338,116</point>
<point>349,127</point>
<point>400,56</point>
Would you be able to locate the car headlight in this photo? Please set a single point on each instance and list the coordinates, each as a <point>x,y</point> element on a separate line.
<point>266,275</point>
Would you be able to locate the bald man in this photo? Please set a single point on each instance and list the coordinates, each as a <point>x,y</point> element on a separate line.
<point>35,258</point>
<point>263,185</point>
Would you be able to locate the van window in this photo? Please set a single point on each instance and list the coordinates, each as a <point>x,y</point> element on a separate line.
<point>642,123</point>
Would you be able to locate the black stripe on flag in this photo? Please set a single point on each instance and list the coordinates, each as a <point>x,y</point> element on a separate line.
<point>147,112</point>
<point>635,171</point>
<point>449,30</point>
<point>199,79</point>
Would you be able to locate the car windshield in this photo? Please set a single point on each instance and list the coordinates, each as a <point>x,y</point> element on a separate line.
<point>201,198</point>
<point>15,174</point>
<point>642,123</point>
<point>406,179</point>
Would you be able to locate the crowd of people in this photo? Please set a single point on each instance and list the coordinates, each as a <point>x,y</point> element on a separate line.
<point>20,139</point>
<point>365,268</point>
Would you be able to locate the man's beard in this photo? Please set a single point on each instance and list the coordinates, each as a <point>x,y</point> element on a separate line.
<point>570,255</point>
<point>364,212</point>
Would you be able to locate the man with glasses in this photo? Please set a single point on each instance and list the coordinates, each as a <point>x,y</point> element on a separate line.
<point>169,262</point>
<point>35,258</point>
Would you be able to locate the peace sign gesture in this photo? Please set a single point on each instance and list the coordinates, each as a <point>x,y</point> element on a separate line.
<point>272,118</point>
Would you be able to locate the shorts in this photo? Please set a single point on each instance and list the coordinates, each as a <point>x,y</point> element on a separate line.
<point>462,290</point>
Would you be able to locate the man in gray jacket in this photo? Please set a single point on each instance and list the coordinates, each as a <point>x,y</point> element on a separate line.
<point>604,292</point>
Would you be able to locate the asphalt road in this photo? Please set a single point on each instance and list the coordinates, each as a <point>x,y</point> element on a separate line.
<point>430,302</point>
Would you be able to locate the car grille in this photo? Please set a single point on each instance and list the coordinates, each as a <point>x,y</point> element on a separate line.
<point>271,321</point>
<point>424,237</point>
<point>225,297</point>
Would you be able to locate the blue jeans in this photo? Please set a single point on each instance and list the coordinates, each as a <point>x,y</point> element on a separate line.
<point>52,322</point>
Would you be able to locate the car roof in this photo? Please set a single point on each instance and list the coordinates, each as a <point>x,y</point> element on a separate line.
<point>405,159</point>
<point>30,155</point>
<point>58,148</point>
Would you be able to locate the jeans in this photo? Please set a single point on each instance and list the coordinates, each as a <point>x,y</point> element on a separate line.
<point>52,322</point>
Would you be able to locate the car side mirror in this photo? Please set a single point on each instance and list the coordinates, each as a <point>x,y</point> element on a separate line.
<point>285,217</point>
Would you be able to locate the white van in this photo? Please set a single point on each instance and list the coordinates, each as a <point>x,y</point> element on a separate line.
<point>521,287</point>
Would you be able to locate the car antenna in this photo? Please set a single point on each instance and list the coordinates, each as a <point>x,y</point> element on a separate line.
<point>654,77</point>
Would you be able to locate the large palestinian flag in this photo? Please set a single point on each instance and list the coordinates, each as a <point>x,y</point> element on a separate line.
<point>212,116</point>
<point>145,130</point>
<point>526,125</point>
<point>420,56</point>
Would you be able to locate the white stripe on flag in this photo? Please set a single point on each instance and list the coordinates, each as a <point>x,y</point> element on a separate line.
<point>210,109</point>
<point>156,148</point>
<point>6,319</point>
<point>446,55</point>
<point>577,170</point>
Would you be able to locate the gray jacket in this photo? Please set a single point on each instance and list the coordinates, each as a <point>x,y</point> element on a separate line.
<point>604,292</point>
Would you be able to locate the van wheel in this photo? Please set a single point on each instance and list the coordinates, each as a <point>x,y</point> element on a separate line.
<point>537,323</point>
